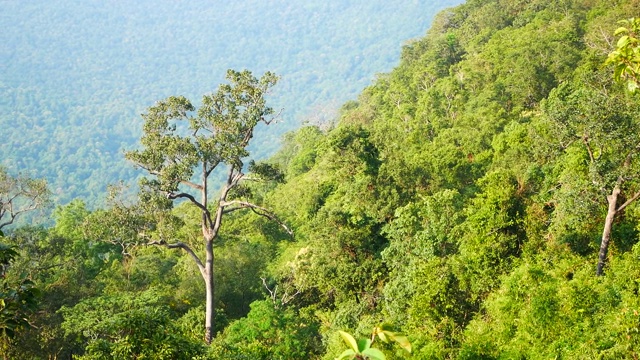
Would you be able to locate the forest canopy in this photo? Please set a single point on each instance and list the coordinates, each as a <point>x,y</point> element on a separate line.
<point>479,201</point>
<point>76,74</point>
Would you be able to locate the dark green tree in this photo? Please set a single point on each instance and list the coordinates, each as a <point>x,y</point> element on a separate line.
<point>270,332</point>
<point>18,194</point>
<point>18,297</point>
<point>129,326</point>
<point>599,125</point>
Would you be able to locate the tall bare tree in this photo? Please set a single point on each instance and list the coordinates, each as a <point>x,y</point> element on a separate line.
<point>181,148</point>
<point>20,194</point>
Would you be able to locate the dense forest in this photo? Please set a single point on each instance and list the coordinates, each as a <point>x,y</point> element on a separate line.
<point>75,75</point>
<point>479,201</point>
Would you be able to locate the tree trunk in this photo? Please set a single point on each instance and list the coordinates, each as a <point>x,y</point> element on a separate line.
<point>606,232</point>
<point>210,311</point>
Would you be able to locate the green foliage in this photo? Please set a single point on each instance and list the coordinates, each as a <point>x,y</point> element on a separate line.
<point>266,172</point>
<point>18,297</point>
<point>420,234</point>
<point>493,232</point>
<point>218,133</point>
<point>626,57</point>
<point>559,310</point>
<point>269,332</point>
<point>64,266</point>
<point>361,349</point>
<point>299,150</point>
<point>461,197</point>
<point>595,122</point>
<point>240,265</point>
<point>128,326</point>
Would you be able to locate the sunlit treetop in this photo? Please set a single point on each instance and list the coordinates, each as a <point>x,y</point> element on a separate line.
<point>626,57</point>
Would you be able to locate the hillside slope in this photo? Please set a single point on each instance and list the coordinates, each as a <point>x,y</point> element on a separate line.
<point>463,197</point>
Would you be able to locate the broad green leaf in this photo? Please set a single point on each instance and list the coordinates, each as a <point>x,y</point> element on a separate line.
<point>387,335</point>
<point>403,341</point>
<point>623,41</point>
<point>621,30</point>
<point>364,344</point>
<point>618,71</point>
<point>374,354</point>
<point>347,354</point>
<point>349,340</point>
<point>382,336</point>
<point>383,332</point>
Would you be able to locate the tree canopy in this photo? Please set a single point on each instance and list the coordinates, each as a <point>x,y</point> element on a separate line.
<point>76,74</point>
<point>468,200</point>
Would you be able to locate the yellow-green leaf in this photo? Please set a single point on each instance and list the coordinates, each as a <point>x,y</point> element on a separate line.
<point>621,30</point>
<point>374,354</point>
<point>382,336</point>
<point>347,354</point>
<point>403,341</point>
<point>349,340</point>
<point>623,41</point>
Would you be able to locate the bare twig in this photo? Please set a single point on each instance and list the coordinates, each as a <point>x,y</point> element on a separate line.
<point>238,204</point>
<point>180,245</point>
<point>633,198</point>
<point>286,298</point>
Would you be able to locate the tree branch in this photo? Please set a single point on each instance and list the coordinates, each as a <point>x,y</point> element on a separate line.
<point>8,222</point>
<point>13,214</point>
<point>234,179</point>
<point>158,173</point>
<point>286,298</point>
<point>247,137</point>
<point>272,294</point>
<point>191,184</point>
<point>205,212</point>
<point>585,140</point>
<point>273,118</point>
<point>212,167</point>
<point>183,246</point>
<point>256,209</point>
<point>634,198</point>
<point>173,196</point>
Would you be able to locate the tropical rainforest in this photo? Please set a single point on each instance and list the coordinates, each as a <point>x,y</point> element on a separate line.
<point>75,75</point>
<point>478,201</point>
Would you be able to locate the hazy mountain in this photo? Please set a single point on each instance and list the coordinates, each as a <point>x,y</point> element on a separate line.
<point>75,75</point>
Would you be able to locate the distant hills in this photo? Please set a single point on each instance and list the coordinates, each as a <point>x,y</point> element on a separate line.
<point>75,75</point>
